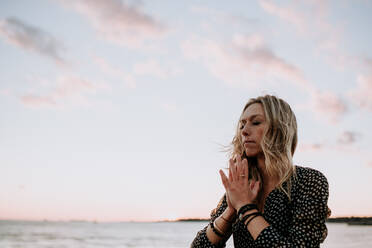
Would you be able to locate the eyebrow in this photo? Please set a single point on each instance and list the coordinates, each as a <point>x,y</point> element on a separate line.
<point>252,117</point>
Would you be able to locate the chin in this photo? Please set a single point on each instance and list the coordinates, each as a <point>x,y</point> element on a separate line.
<point>252,153</point>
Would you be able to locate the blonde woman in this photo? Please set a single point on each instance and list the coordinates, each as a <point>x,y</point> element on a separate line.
<point>269,202</point>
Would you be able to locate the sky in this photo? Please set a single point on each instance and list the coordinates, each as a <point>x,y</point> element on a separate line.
<point>120,110</point>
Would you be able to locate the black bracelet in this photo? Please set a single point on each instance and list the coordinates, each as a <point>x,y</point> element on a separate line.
<point>257,214</point>
<point>216,231</point>
<point>246,208</point>
<point>245,217</point>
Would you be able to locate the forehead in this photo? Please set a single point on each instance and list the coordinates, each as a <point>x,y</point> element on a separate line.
<point>254,109</point>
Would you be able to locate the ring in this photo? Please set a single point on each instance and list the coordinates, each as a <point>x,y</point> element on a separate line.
<point>242,175</point>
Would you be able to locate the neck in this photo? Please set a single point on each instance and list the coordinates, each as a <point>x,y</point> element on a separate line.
<point>268,181</point>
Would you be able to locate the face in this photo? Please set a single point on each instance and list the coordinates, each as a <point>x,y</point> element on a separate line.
<point>252,127</point>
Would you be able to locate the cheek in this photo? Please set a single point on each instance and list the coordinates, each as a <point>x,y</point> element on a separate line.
<point>260,133</point>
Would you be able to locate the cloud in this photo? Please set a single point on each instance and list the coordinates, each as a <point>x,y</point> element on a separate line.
<point>38,101</point>
<point>347,138</point>
<point>310,147</point>
<point>150,67</point>
<point>153,68</point>
<point>346,143</point>
<point>118,21</point>
<point>69,90</point>
<point>310,18</point>
<point>246,58</point>
<point>31,38</point>
<point>218,16</point>
<point>289,14</point>
<point>5,92</point>
<point>328,105</point>
<point>113,71</point>
<point>362,94</point>
<point>169,107</point>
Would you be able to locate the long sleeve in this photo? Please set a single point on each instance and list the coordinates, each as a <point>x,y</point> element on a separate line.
<point>201,240</point>
<point>310,210</point>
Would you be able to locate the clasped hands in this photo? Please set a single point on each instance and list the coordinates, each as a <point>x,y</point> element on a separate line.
<point>239,190</point>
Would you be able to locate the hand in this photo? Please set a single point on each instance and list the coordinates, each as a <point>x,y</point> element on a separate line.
<point>230,210</point>
<point>238,189</point>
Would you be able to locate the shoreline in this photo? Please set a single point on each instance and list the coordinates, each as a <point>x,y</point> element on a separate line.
<point>352,220</point>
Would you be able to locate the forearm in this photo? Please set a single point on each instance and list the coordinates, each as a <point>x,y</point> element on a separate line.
<point>222,224</point>
<point>256,224</point>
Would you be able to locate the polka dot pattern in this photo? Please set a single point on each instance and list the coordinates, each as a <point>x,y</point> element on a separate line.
<point>296,223</point>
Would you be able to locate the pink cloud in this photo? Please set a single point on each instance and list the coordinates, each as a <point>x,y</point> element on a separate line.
<point>218,16</point>
<point>287,13</point>
<point>113,71</point>
<point>38,101</point>
<point>347,138</point>
<point>31,38</point>
<point>310,147</point>
<point>153,68</point>
<point>246,59</point>
<point>311,19</point>
<point>345,145</point>
<point>328,105</point>
<point>4,92</point>
<point>118,21</point>
<point>69,90</point>
<point>362,94</point>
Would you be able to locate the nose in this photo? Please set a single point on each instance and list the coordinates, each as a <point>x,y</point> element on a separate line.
<point>246,130</point>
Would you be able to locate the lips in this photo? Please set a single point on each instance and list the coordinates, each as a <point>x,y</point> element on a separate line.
<point>249,142</point>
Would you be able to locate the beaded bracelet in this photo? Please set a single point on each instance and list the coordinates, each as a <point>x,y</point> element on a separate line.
<point>214,229</point>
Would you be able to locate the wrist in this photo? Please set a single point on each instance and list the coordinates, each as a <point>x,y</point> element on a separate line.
<point>241,204</point>
<point>229,214</point>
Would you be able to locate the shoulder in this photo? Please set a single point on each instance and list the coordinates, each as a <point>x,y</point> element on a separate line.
<point>310,180</point>
<point>310,175</point>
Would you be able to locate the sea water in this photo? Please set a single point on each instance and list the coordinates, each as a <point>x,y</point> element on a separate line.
<point>142,235</point>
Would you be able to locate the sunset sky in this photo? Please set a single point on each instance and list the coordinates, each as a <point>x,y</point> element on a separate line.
<point>119,110</point>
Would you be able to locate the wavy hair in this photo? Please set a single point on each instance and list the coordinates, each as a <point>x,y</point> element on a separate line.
<point>278,143</point>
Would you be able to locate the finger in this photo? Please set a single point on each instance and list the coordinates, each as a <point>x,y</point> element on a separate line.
<point>224,179</point>
<point>251,184</point>
<point>231,162</point>
<point>233,171</point>
<point>245,171</point>
<point>256,187</point>
<point>239,169</point>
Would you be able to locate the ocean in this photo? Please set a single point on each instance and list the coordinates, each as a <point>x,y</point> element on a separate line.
<point>20,234</point>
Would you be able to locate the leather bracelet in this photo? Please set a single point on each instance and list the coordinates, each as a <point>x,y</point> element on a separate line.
<point>246,208</point>
<point>254,216</point>
<point>245,217</point>
<point>214,229</point>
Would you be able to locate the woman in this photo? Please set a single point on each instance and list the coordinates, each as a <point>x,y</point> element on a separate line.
<point>269,202</point>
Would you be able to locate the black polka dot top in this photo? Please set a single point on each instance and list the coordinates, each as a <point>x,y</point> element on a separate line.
<point>296,223</point>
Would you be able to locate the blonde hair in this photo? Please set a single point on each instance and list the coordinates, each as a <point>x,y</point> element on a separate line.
<point>278,143</point>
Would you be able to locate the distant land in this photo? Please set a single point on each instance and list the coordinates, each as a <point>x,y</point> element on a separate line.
<point>352,220</point>
<point>348,220</point>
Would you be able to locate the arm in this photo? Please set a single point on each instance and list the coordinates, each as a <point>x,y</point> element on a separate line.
<point>309,215</point>
<point>206,238</point>
<point>309,210</point>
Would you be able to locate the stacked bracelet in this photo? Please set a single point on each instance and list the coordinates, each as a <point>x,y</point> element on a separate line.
<point>230,222</point>
<point>216,231</point>
<point>254,216</point>
<point>246,217</point>
<point>245,209</point>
